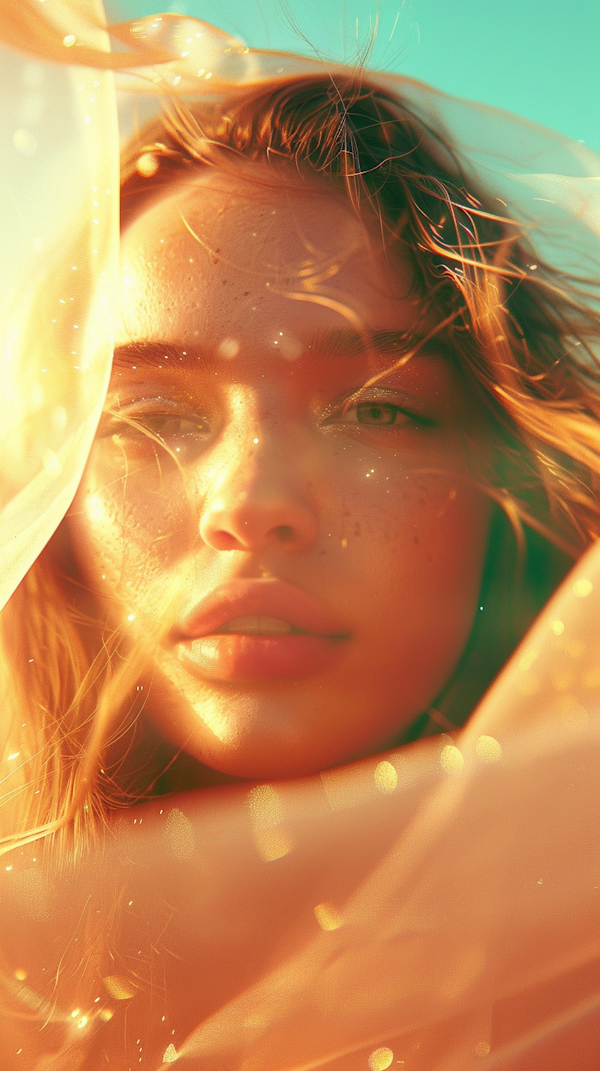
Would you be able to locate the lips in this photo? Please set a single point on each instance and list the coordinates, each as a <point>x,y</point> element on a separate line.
<point>266,597</point>
<point>264,628</point>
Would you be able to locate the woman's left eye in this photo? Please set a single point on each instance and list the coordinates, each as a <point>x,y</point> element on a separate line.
<point>379,414</point>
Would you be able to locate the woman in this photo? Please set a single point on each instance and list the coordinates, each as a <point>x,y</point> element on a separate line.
<point>349,448</point>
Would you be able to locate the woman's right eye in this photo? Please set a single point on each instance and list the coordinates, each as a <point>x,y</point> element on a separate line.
<point>140,432</point>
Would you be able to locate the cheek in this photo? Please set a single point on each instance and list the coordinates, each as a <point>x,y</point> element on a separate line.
<point>127,531</point>
<point>415,559</point>
<point>420,540</point>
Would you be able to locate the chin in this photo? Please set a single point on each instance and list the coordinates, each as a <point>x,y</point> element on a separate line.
<point>261,753</point>
<point>270,731</point>
<point>268,758</point>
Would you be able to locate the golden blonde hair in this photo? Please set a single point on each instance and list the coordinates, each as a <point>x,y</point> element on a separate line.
<point>521,337</point>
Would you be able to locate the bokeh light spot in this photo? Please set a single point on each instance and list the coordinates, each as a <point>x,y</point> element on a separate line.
<point>451,759</point>
<point>328,916</point>
<point>380,1059</point>
<point>147,165</point>
<point>228,348</point>
<point>488,749</point>
<point>119,987</point>
<point>582,587</point>
<point>386,777</point>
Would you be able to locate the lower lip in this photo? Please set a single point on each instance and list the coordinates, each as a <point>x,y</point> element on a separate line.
<point>236,657</point>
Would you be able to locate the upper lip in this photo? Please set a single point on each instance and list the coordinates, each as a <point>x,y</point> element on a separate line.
<point>245,597</point>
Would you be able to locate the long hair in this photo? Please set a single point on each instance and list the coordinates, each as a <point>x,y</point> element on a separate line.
<point>520,334</point>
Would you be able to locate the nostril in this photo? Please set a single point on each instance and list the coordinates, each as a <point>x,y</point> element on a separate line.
<point>223,540</point>
<point>284,533</point>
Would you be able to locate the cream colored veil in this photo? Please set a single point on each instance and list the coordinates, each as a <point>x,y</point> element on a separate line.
<point>433,909</point>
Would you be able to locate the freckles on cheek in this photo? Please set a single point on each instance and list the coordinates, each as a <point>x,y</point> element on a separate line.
<point>385,510</point>
<point>430,528</point>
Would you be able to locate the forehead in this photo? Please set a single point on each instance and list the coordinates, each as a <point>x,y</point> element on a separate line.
<point>251,250</point>
<point>291,215</point>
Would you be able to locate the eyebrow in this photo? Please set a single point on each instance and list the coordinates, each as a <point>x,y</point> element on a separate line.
<point>350,343</point>
<point>322,346</point>
<point>146,352</point>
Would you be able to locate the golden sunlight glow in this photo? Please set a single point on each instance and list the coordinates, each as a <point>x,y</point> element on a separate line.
<point>96,508</point>
<point>380,1059</point>
<point>451,759</point>
<point>228,348</point>
<point>119,987</point>
<point>328,916</point>
<point>147,164</point>
<point>386,777</point>
<point>582,587</point>
<point>272,839</point>
<point>265,806</point>
<point>488,749</point>
<point>180,834</point>
<point>273,843</point>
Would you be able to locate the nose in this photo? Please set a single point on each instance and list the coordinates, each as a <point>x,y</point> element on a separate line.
<point>258,504</point>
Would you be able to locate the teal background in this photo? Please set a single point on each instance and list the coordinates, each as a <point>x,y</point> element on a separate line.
<point>539,58</point>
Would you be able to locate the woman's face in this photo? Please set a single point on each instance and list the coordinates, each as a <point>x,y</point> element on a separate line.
<point>326,549</point>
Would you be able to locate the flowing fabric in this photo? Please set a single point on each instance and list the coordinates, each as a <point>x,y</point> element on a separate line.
<point>434,908</point>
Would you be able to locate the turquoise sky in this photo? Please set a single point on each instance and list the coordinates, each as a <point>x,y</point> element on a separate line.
<point>539,58</point>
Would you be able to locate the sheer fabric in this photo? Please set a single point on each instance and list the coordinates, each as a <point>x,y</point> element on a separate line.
<point>432,908</point>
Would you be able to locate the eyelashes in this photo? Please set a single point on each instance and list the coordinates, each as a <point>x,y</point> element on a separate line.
<point>159,422</point>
